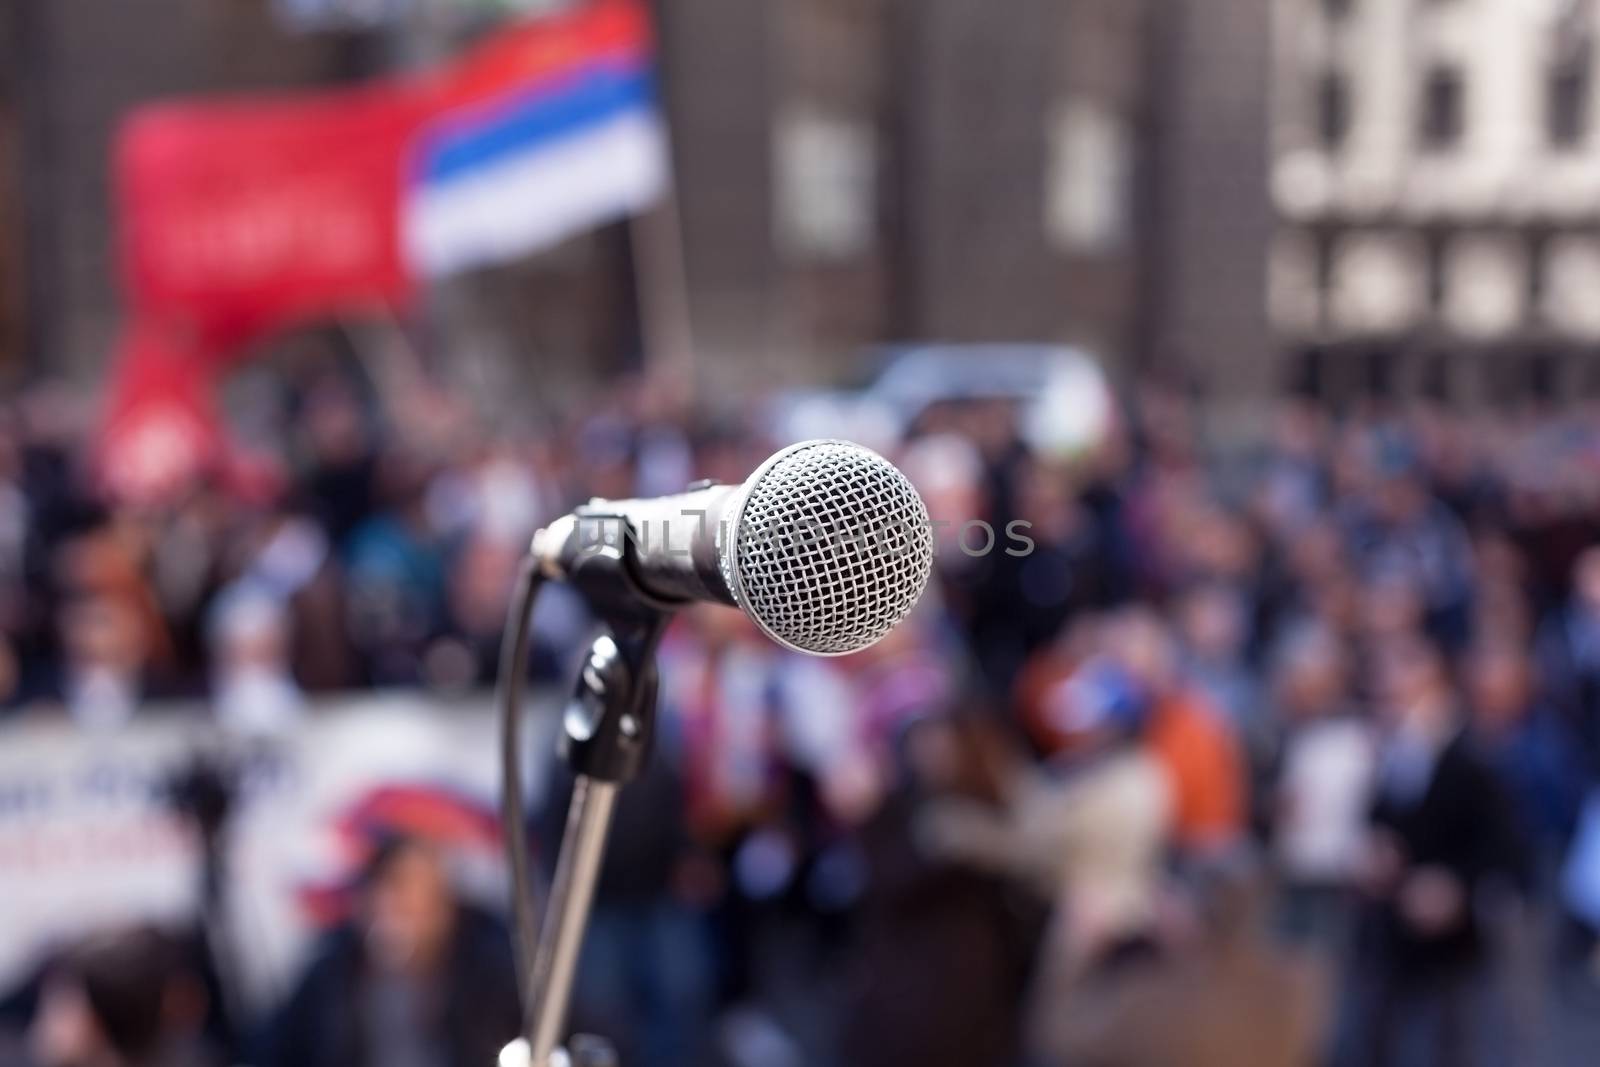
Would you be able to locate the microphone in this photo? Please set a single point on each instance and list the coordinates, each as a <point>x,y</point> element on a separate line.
<point>826,547</point>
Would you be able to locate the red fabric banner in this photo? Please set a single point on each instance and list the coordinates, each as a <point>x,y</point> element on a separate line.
<point>260,214</point>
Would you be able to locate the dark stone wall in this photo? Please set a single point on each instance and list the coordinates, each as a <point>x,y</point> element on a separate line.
<point>1215,215</point>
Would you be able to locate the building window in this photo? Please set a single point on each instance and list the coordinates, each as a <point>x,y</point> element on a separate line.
<point>1567,96</point>
<point>1443,111</point>
<point>1333,109</point>
<point>1571,278</point>
<point>1379,283</point>
<point>1090,171</point>
<point>826,172</point>
<point>1486,280</point>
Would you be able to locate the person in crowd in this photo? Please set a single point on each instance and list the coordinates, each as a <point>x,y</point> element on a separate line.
<point>1569,657</point>
<point>338,454</point>
<point>129,997</point>
<point>188,560</point>
<point>290,559</point>
<point>11,674</point>
<point>1540,768</point>
<point>104,678</point>
<point>1315,580</point>
<point>1397,527</point>
<point>1213,623</point>
<point>1502,607</point>
<point>396,580</point>
<point>479,581</point>
<point>944,945</point>
<point>1442,856</point>
<point>1192,741</point>
<point>114,646</point>
<point>1291,484</point>
<point>1023,592</point>
<point>416,978</point>
<point>1322,789</point>
<point>1538,762</point>
<point>255,692</point>
<point>1088,830</point>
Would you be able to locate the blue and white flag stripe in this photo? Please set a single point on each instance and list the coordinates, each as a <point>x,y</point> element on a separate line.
<point>535,168</point>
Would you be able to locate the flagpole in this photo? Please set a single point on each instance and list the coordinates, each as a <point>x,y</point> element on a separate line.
<point>661,278</point>
<point>661,275</point>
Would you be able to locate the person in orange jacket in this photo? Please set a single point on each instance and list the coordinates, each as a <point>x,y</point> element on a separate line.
<point>1191,740</point>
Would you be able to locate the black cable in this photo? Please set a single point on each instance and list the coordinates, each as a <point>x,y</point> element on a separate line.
<point>508,699</point>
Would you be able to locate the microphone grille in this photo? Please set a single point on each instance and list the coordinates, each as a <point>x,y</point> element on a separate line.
<point>831,547</point>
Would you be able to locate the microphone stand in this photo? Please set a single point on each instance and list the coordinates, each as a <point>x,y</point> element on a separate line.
<point>607,728</point>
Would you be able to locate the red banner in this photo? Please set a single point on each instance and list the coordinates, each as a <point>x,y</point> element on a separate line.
<point>264,213</point>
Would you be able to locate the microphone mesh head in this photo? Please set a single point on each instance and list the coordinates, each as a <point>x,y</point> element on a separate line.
<point>831,547</point>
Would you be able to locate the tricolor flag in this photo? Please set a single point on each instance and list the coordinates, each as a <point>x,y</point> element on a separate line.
<point>578,143</point>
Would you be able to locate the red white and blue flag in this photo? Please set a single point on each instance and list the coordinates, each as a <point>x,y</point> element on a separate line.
<point>576,145</point>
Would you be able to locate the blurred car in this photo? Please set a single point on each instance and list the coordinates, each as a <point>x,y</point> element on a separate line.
<point>1066,403</point>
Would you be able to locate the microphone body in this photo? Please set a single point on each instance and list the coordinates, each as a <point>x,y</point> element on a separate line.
<point>826,546</point>
<point>673,542</point>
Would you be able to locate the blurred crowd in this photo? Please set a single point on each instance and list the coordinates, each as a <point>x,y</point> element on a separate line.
<point>1275,755</point>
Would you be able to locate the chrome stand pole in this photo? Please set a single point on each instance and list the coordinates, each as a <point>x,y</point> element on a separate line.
<point>571,895</point>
